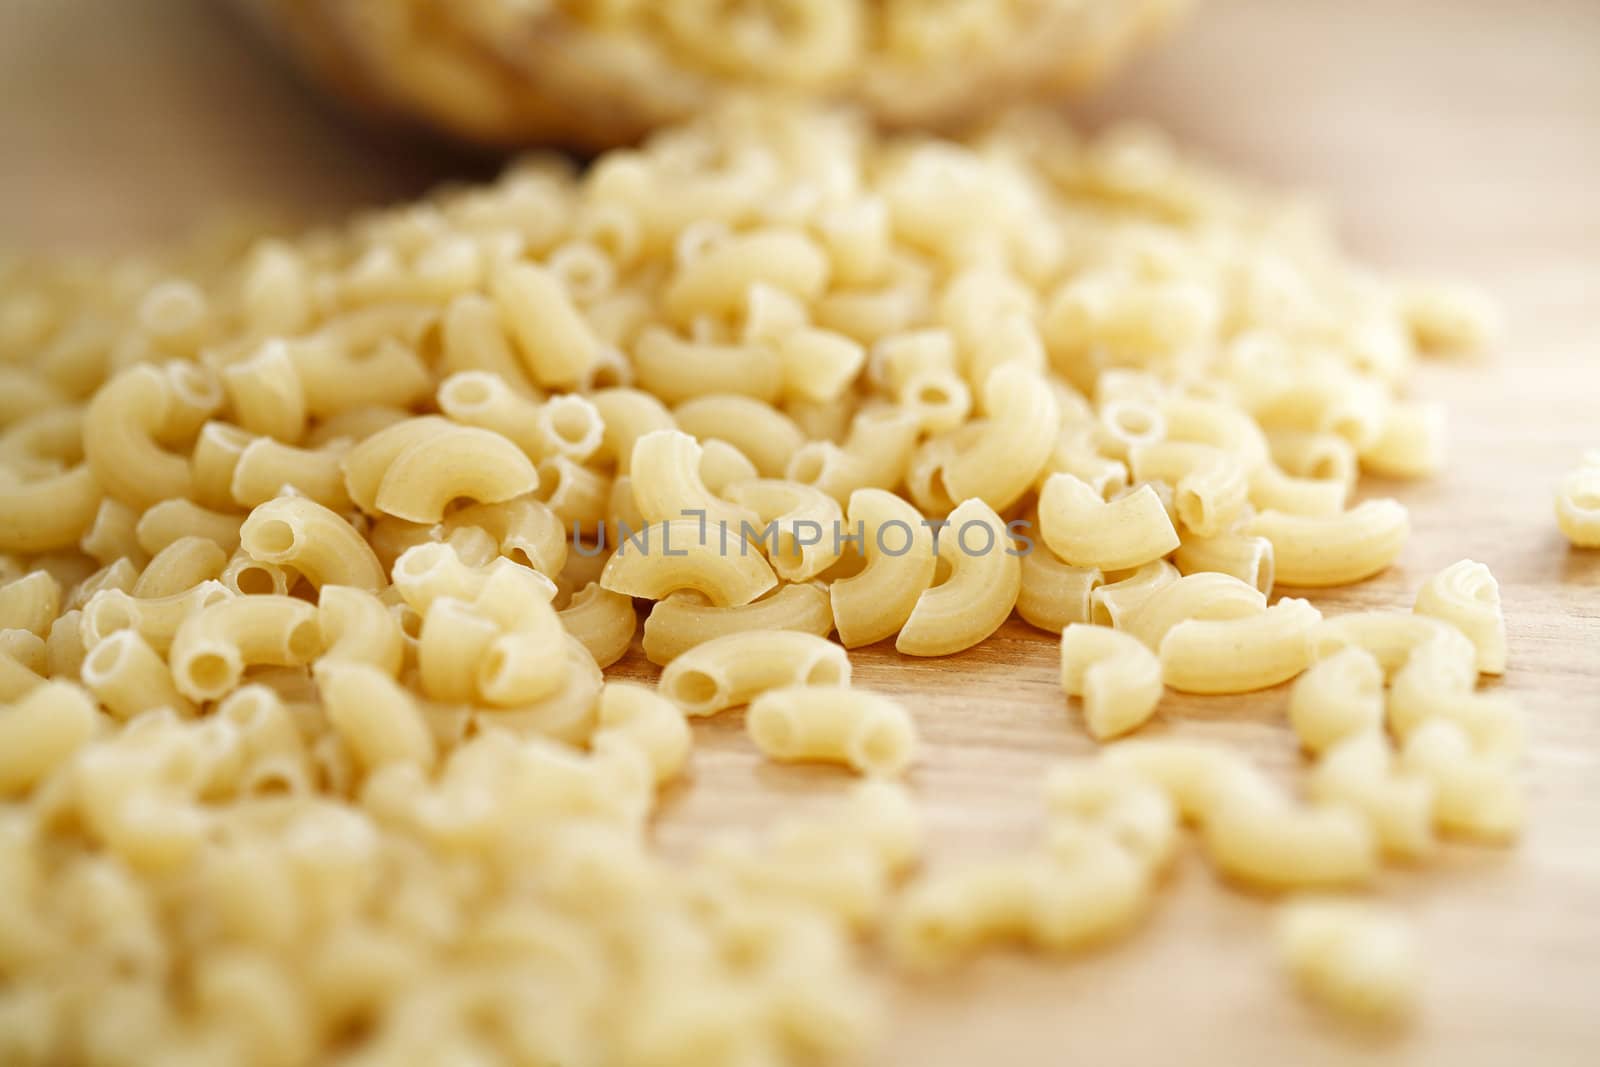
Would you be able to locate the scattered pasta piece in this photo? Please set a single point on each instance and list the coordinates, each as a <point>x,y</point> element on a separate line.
<point>1350,957</point>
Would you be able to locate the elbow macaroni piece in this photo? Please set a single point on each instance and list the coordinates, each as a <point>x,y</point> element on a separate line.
<point>876,602</point>
<point>804,522</point>
<point>446,466</point>
<point>1359,962</point>
<point>30,603</point>
<point>1211,490</point>
<point>1577,504</point>
<point>1019,435</point>
<point>731,670</point>
<point>181,566</point>
<point>213,646</point>
<point>649,565</point>
<point>1114,603</point>
<point>648,720</point>
<point>1118,678</point>
<point>1466,595</point>
<point>1242,654</point>
<point>357,627</point>
<point>1196,596</point>
<point>602,621</point>
<point>667,485</point>
<point>1249,559</point>
<point>1359,773</point>
<point>867,732</point>
<point>758,430</point>
<point>377,719</point>
<point>50,512</point>
<point>319,545</point>
<point>976,598</point>
<point>1054,594</point>
<point>683,620</point>
<point>40,732</point>
<point>1340,696</point>
<point>1275,846</point>
<point>129,677</point>
<point>1337,549</point>
<point>1087,531</point>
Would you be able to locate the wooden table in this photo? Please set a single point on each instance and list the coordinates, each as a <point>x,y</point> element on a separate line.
<point>1457,137</point>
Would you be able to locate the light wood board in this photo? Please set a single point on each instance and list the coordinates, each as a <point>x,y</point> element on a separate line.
<point>1461,138</point>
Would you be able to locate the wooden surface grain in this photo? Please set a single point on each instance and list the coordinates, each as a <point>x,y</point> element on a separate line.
<point>1454,137</point>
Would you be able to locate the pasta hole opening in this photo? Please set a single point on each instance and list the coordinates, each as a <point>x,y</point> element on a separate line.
<point>934,395</point>
<point>551,480</point>
<point>774,731</point>
<point>942,569</point>
<point>879,746</point>
<point>305,641</point>
<point>275,537</point>
<point>696,689</point>
<point>1099,613</point>
<point>808,466</point>
<point>211,673</point>
<point>571,424</point>
<point>255,581</point>
<point>105,659</point>
<point>410,621</point>
<point>1192,511</point>
<point>1325,468</point>
<point>787,553</point>
<point>826,672</point>
<point>609,375</point>
<point>111,616</point>
<point>1134,423</point>
<point>469,391</point>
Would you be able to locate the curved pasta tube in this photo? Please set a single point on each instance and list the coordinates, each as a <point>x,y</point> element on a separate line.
<point>1273,490</point>
<point>1249,559</point>
<point>1087,531</point>
<point>876,603</point>
<point>818,365</point>
<point>366,464</point>
<point>648,721</point>
<point>1475,796</point>
<point>568,714</point>
<point>1054,594</point>
<point>555,341</point>
<point>454,640</point>
<point>293,531</point>
<point>802,520</point>
<point>527,531</point>
<point>1577,506</point>
<point>760,431</point>
<point>977,597</point>
<point>1338,549</point>
<point>1358,961</point>
<point>48,513</point>
<point>1210,490</point>
<point>156,620</point>
<point>31,602</point>
<point>1466,595</point>
<point>1339,696</point>
<point>868,732</point>
<point>1118,678</point>
<point>23,659</point>
<point>484,400</point>
<point>1220,425</point>
<point>874,456</point>
<point>265,393</point>
<point>180,566</point>
<point>461,462</point>
<point>666,483</point>
<point>676,369</point>
<point>1196,776</point>
<point>358,627</point>
<point>670,556</point>
<point>716,282</point>
<point>1075,453</point>
<point>40,731</point>
<point>171,520</point>
<point>1411,442</point>
<point>1436,684</point>
<point>733,669</point>
<point>1358,771</point>
<point>267,467</point>
<point>625,416</point>
<point>212,647</point>
<point>129,677</point>
<point>1279,847</point>
<point>1022,422</point>
<point>121,432</point>
<point>1113,603</point>
<point>577,495</point>
<point>1195,596</point>
<point>1239,655</point>
<point>1392,637</point>
<point>684,620</point>
<point>375,716</point>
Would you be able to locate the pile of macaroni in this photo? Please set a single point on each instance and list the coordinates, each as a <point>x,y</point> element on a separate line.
<point>306,749</point>
<point>600,73</point>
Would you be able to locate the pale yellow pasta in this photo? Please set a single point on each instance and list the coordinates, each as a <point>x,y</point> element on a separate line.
<point>454,640</point>
<point>760,431</point>
<point>677,369</point>
<point>984,582</point>
<point>899,549</point>
<point>1466,595</point>
<point>568,426</point>
<point>1474,796</point>
<point>1276,846</point>
<point>1204,595</point>
<point>1074,453</point>
<point>30,603</point>
<point>268,468</point>
<point>1358,771</point>
<point>1577,506</point>
<point>212,647</point>
<point>366,463</point>
<point>1392,637</point>
<point>1436,683</point>
<point>577,495</point>
<point>715,282</point>
<point>1118,678</point>
<point>525,662</point>
<point>603,621</point>
<point>1086,531</point>
<point>377,719</point>
<point>172,520</point>
<point>482,399</point>
<point>454,463</point>
<point>940,400</point>
<point>120,575</point>
<point>1240,655</point>
<point>683,620</point>
<point>129,677</point>
<point>1211,490</point>
<point>1323,456</point>
<point>180,566</point>
<point>626,415</point>
<point>50,512</point>
<point>1339,696</point>
<point>688,554</point>
<point>648,720</point>
<point>357,627</point>
<point>873,456</point>
<point>64,649</point>
<point>568,714</point>
<point>1053,594</point>
<point>1337,549</point>
<point>157,620</point>
<point>40,732</point>
<point>1410,444</point>
<point>122,438</point>
<point>667,485</point>
<point>1249,559</point>
<point>1135,812</point>
<point>434,569</point>
<point>214,459</point>
<point>1356,960</point>
<point>1272,490</point>
<point>112,536</point>
<point>1113,603</point>
<point>264,393</point>
<point>23,659</point>
<point>1019,435</point>
<point>473,339</point>
<point>818,365</point>
<point>526,529</point>
<point>733,669</point>
<point>867,732</point>
<point>296,532</point>
<point>1448,318</point>
<point>801,525</point>
<point>553,339</point>
<point>246,577</point>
